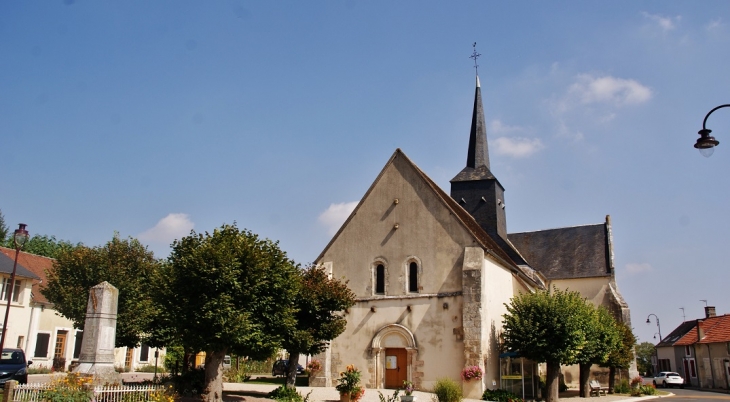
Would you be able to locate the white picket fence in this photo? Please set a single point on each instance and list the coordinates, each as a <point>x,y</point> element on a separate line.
<point>106,393</point>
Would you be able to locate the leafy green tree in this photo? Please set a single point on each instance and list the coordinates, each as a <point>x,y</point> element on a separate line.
<point>124,263</point>
<point>47,246</point>
<point>623,356</point>
<point>317,320</point>
<point>602,339</point>
<point>225,292</point>
<point>547,326</point>
<point>3,229</point>
<point>644,352</point>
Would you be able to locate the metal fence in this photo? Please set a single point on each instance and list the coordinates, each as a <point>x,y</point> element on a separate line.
<point>105,393</point>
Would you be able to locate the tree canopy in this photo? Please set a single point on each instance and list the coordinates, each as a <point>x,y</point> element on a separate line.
<point>3,229</point>
<point>602,339</point>
<point>124,263</point>
<point>47,246</point>
<point>644,352</point>
<point>225,292</point>
<point>318,320</point>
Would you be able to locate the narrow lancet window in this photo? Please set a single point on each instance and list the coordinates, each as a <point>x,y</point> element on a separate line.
<point>380,279</point>
<point>413,277</point>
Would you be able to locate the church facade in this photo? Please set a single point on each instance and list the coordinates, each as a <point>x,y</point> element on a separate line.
<point>432,272</point>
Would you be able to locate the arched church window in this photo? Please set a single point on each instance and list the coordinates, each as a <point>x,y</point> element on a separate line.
<point>380,279</point>
<point>413,277</point>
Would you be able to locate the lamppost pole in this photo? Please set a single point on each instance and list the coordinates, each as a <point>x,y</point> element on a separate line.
<point>648,321</point>
<point>707,143</point>
<point>19,238</point>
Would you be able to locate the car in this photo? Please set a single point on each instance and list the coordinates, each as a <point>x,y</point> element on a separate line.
<point>13,366</point>
<point>280,368</point>
<point>668,379</point>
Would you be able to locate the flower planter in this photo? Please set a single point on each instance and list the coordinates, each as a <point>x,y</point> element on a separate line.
<point>345,397</point>
<point>408,398</point>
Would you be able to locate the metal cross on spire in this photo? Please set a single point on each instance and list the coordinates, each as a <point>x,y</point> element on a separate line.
<point>475,56</point>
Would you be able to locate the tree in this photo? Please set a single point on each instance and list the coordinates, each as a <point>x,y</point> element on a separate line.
<point>225,292</point>
<point>3,229</point>
<point>602,339</point>
<point>623,356</point>
<point>317,320</point>
<point>47,246</point>
<point>644,353</point>
<point>547,326</point>
<point>124,263</point>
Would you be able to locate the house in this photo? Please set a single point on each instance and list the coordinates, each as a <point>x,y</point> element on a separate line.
<point>432,272</point>
<point>702,353</point>
<point>49,339</point>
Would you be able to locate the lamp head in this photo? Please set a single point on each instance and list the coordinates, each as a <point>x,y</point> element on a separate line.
<point>706,143</point>
<point>648,321</point>
<point>20,236</point>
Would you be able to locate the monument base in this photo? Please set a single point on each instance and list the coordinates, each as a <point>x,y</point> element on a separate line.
<point>103,373</point>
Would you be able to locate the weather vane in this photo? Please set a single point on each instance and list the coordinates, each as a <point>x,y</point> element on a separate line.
<point>475,56</point>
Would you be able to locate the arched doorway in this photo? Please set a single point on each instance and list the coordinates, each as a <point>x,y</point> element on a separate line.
<point>393,351</point>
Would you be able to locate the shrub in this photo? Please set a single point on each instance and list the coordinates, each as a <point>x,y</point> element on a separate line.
<point>622,388</point>
<point>647,389</point>
<point>637,381</point>
<point>284,394</point>
<point>150,368</point>
<point>190,383</point>
<point>447,390</point>
<point>71,388</point>
<point>393,398</point>
<point>314,367</point>
<point>471,373</point>
<point>39,370</point>
<point>500,395</point>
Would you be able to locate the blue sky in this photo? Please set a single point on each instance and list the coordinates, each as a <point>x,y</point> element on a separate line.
<point>154,118</point>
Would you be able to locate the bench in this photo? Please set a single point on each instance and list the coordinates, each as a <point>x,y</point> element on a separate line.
<point>597,389</point>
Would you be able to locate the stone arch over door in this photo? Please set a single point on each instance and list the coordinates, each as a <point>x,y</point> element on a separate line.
<point>398,337</point>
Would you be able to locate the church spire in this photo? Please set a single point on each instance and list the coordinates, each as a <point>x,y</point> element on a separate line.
<point>478,153</point>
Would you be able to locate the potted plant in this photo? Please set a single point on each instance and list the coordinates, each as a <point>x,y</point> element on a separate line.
<point>471,373</point>
<point>408,390</point>
<point>349,385</point>
<point>314,368</point>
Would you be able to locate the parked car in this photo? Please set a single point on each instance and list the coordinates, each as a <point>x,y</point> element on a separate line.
<point>280,368</point>
<point>13,366</point>
<point>668,379</point>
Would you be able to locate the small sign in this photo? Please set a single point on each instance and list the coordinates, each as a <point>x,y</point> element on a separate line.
<point>511,377</point>
<point>391,362</point>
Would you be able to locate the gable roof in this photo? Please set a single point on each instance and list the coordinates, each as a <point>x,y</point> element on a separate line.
<point>8,260</point>
<point>713,329</point>
<point>462,216</point>
<point>568,253</point>
<point>677,334</point>
<point>36,266</point>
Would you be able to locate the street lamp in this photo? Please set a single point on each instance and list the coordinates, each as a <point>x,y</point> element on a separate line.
<point>707,143</point>
<point>19,238</point>
<point>648,321</point>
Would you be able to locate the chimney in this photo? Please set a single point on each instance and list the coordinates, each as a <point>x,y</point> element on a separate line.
<point>710,311</point>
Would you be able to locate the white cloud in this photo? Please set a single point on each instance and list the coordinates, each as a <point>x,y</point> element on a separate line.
<point>497,127</point>
<point>714,25</point>
<point>335,215</point>
<point>616,91</point>
<point>517,147</point>
<point>665,23</point>
<point>169,228</point>
<point>634,268</point>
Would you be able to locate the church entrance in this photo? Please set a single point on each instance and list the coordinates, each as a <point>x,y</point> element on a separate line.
<point>396,368</point>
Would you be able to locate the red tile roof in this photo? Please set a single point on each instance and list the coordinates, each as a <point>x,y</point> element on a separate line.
<point>36,264</point>
<point>714,329</point>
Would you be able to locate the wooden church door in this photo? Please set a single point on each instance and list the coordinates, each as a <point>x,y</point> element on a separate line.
<point>396,368</point>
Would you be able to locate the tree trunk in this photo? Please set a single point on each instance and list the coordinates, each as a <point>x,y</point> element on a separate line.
<point>585,378</point>
<point>611,379</point>
<point>291,375</point>
<point>552,380</point>
<point>213,385</point>
<point>187,358</point>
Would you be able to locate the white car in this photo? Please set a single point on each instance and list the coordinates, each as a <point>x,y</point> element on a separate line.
<point>668,379</point>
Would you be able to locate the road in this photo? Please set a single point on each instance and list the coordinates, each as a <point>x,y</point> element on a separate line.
<point>692,395</point>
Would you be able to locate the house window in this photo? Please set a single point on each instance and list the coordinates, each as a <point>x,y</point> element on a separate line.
<point>380,279</point>
<point>41,345</point>
<point>21,341</point>
<point>687,351</point>
<point>413,277</point>
<point>144,353</point>
<point>6,288</point>
<point>665,365</point>
<point>77,344</point>
<point>692,369</point>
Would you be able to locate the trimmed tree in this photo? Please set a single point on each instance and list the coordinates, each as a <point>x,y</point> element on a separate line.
<point>225,292</point>
<point>125,263</point>
<point>547,326</point>
<point>623,356</point>
<point>644,352</point>
<point>602,339</point>
<point>318,319</point>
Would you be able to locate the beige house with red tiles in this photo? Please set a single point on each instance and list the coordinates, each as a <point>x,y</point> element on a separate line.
<point>432,272</point>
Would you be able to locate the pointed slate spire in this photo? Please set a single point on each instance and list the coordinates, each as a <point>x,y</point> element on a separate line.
<point>478,154</point>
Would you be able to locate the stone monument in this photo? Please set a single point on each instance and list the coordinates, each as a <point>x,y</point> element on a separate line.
<point>97,346</point>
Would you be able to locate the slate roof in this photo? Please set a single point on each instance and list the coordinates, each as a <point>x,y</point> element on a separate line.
<point>677,334</point>
<point>714,329</point>
<point>36,266</point>
<point>567,253</point>
<point>7,260</point>
<point>477,158</point>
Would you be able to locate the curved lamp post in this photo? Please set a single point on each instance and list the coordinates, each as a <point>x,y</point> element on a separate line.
<point>19,238</point>
<point>648,321</point>
<point>707,143</point>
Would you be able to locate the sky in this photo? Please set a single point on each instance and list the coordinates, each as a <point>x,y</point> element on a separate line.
<point>151,119</point>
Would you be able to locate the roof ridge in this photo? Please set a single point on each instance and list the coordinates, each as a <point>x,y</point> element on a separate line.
<point>27,253</point>
<point>560,228</point>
